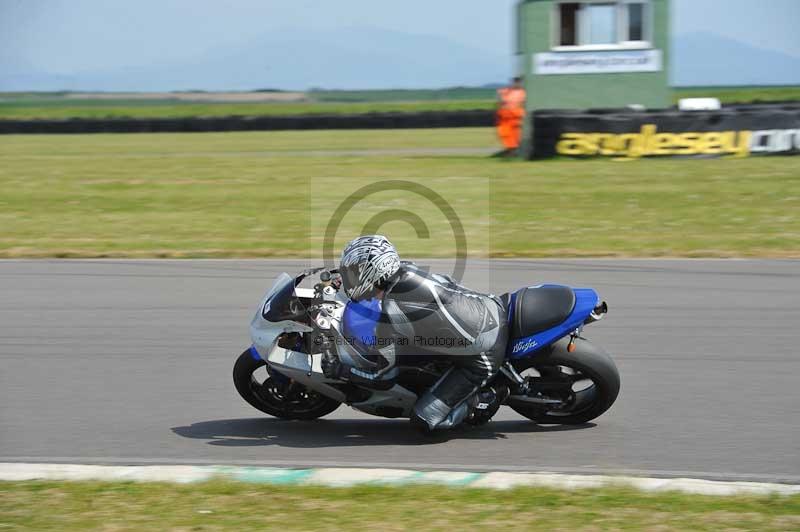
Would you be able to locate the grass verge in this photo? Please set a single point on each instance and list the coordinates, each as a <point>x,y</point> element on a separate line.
<point>236,506</point>
<point>31,106</point>
<point>742,94</point>
<point>248,195</point>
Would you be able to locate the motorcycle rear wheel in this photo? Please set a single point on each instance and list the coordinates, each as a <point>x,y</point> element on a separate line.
<point>285,400</point>
<point>561,371</point>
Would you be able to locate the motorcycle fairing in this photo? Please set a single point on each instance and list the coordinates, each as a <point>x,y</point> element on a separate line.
<point>586,300</point>
<point>359,322</point>
<point>254,353</point>
<point>264,333</point>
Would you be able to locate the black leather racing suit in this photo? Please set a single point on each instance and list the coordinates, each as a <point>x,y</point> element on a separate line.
<point>435,314</point>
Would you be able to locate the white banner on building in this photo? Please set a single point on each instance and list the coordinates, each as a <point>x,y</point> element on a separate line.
<point>600,62</point>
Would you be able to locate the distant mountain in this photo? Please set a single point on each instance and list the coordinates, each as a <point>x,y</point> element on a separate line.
<point>370,58</point>
<point>350,58</point>
<point>706,59</point>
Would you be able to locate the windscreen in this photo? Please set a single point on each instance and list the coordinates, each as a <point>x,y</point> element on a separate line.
<point>283,303</point>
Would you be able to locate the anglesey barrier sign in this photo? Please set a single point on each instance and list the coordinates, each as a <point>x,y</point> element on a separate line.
<point>648,141</point>
<point>601,62</point>
<point>732,132</point>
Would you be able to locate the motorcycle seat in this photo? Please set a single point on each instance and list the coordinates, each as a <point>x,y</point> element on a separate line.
<point>537,309</point>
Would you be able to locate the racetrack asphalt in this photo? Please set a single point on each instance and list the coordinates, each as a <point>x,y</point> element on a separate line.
<point>129,361</point>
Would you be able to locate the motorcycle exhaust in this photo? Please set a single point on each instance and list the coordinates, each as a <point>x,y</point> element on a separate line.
<point>598,313</point>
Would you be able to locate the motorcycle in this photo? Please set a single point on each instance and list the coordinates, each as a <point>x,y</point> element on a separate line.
<point>552,374</point>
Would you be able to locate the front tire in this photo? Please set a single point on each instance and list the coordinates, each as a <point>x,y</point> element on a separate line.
<point>278,398</point>
<point>560,367</point>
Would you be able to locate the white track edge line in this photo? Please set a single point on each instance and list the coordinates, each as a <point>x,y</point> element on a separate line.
<point>353,476</point>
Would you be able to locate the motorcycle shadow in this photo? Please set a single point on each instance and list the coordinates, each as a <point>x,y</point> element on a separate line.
<point>249,432</point>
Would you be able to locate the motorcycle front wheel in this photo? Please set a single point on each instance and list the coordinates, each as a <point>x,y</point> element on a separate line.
<point>282,398</point>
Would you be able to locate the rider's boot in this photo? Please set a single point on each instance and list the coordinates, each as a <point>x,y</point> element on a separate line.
<point>485,404</point>
<point>445,404</point>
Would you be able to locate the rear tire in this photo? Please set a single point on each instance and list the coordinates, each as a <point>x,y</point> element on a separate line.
<point>267,396</point>
<point>590,361</point>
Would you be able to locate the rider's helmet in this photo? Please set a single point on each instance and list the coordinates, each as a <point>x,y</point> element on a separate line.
<point>367,262</point>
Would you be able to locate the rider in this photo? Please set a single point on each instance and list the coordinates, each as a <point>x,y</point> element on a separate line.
<point>435,313</point>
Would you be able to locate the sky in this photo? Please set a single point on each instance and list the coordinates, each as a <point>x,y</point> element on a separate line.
<point>51,42</point>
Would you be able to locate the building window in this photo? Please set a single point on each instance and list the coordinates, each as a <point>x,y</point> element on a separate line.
<point>601,24</point>
<point>568,23</point>
<point>598,24</point>
<point>635,22</point>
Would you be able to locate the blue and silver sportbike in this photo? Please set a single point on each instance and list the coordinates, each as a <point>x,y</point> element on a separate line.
<point>553,374</point>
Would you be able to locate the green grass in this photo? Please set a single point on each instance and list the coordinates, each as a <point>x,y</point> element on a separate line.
<point>234,506</point>
<point>249,195</point>
<point>28,106</point>
<point>742,94</point>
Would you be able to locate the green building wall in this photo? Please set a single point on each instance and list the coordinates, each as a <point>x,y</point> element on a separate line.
<point>582,91</point>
